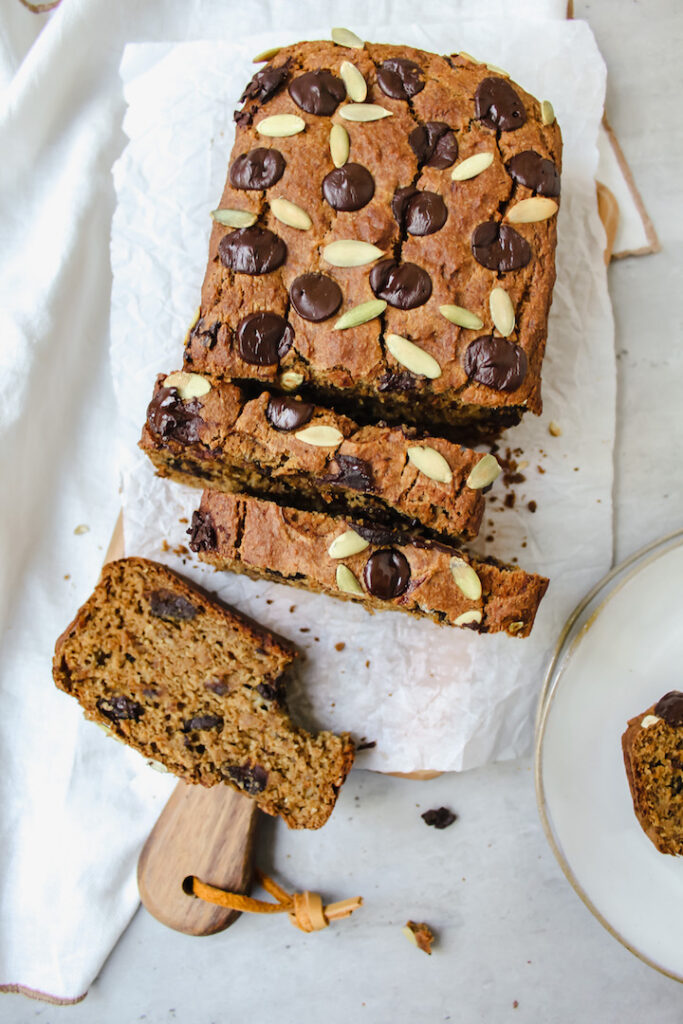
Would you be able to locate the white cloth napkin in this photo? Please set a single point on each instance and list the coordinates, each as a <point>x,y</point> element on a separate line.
<point>75,807</point>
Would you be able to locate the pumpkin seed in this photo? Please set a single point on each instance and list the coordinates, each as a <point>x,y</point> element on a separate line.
<point>234,218</point>
<point>502,311</point>
<point>497,70</point>
<point>464,620</point>
<point>188,385</point>
<point>347,544</point>
<point>547,112</point>
<point>280,126</point>
<point>471,167</point>
<point>348,252</point>
<point>431,463</point>
<point>356,86</point>
<point>347,582</point>
<point>360,314</point>
<point>462,317</point>
<point>364,112</point>
<point>529,211</point>
<point>266,55</point>
<point>465,578</point>
<point>290,380</point>
<point>345,37</point>
<point>648,721</point>
<point>339,145</point>
<point>412,357</point>
<point>320,435</point>
<point>484,473</point>
<point>291,214</point>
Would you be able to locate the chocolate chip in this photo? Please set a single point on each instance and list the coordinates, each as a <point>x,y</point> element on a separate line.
<point>252,251</point>
<point>243,118</point>
<point>118,708</point>
<point>271,691</point>
<point>202,532</point>
<point>440,817</point>
<point>402,381</point>
<point>419,213</point>
<point>219,685</point>
<point>498,106</point>
<point>286,413</point>
<point>258,169</point>
<point>386,574</point>
<point>252,779</point>
<point>318,92</point>
<point>670,708</point>
<point>265,84</point>
<point>374,534</point>
<point>499,247</point>
<point>164,604</point>
<point>206,336</point>
<point>349,187</point>
<point>350,471</point>
<point>434,144</point>
<point>495,362</point>
<point>202,722</point>
<point>403,285</point>
<point>531,169</point>
<point>169,418</point>
<point>263,338</point>
<point>315,296</point>
<point>400,78</point>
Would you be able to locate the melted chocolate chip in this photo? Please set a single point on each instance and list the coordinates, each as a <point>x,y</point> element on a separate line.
<point>252,251</point>
<point>218,685</point>
<point>315,296</point>
<point>403,285</point>
<point>402,381</point>
<point>263,338</point>
<point>495,362</point>
<point>258,169</point>
<point>202,722</point>
<point>164,604</point>
<point>400,78</point>
<point>440,817</point>
<point>670,708</point>
<point>374,534</point>
<point>499,247</point>
<point>286,413</point>
<point>169,418</point>
<point>243,118</point>
<point>498,106</point>
<point>118,708</point>
<point>434,144</point>
<point>318,92</point>
<point>419,213</point>
<point>531,169</point>
<point>350,471</point>
<point>271,691</point>
<point>265,84</point>
<point>202,532</point>
<point>349,187</point>
<point>386,574</point>
<point>252,779</point>
<point>206,336</point>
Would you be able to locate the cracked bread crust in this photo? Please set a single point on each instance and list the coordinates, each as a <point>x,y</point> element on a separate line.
<point>226,441</point>
<point>354,367</point>
<point>199,689</point>
<point>390,571</point>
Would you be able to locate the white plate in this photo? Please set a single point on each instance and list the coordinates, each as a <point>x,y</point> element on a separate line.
<point>620,651</point>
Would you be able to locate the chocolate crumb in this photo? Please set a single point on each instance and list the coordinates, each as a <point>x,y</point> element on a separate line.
<point>532,506</point>
<point>304,629</point>
<point>440,817</point>
<point>366,745</point>
<point>292,607</point>
<point>510,499</point>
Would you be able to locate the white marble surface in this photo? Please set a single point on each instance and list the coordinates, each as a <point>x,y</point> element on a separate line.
<point>510,927</point>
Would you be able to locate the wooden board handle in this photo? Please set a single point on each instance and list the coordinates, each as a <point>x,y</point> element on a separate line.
<point>204,832</point>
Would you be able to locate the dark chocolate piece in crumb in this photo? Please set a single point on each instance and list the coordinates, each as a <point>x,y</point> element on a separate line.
<point>170,418</point>
<point>434,144</point>
<point>400,78</point>
<point>318,92</point>
<point>286,413</point>
<point>167,605</point>
<point>263,338</point>
<point>366,745</point>
<point>419,212</point>
<point>670,708</point>
<point>498,106</point>
<point>200,722</point>
<point>495,362</point>
<point>258,169</point>
<point>264,84</point>
<point>252,251</point>
<point>202,532</point>
<point>252,779</point>
<point>532,170</point>
<point>401,381</point>
<point>119,708</point>
<point>440,817</point>
<point>350,471</point>
<point>499,247</point>
<point>315,296</point>
<point>349,187</point>
<point>402,285</point>
<point>387,574</point>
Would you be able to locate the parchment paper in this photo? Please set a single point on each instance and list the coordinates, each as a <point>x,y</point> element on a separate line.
<point>429,696</point>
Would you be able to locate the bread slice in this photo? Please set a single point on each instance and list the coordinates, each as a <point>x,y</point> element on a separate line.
<point>653,756</point>
<point>195,686</point>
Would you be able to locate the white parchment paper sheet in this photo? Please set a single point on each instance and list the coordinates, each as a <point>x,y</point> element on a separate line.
<point>430,696</point>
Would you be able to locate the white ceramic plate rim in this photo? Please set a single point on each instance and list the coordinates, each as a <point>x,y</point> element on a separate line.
<point>586,612</point>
